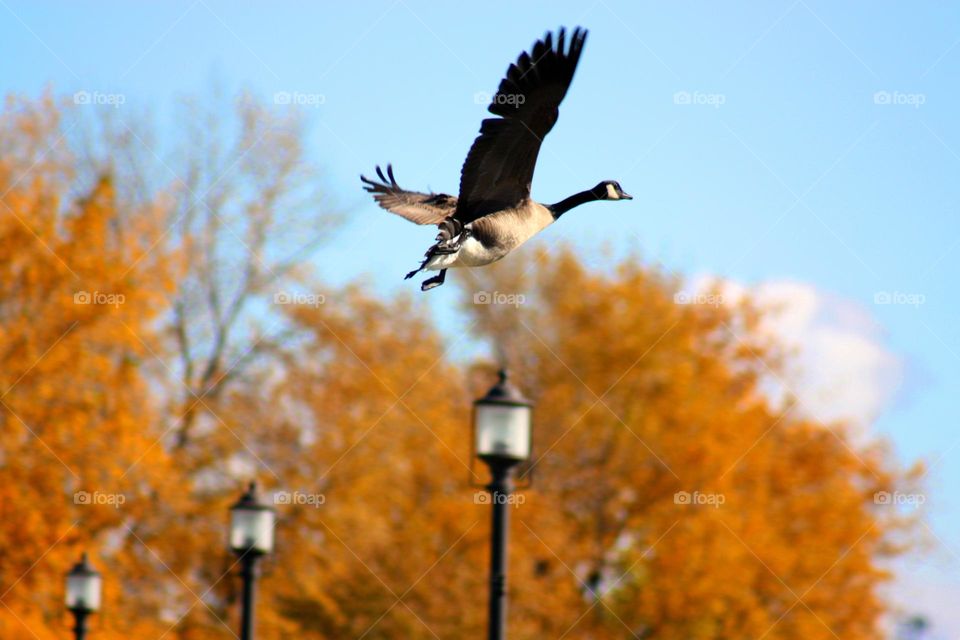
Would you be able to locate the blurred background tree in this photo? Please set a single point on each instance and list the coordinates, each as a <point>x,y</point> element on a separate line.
<point>199,380</point>
<point>76,414</point>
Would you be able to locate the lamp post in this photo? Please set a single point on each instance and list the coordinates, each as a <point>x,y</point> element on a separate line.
<point>501,438</point>
<point>251,536</point>
<point>83,594</point>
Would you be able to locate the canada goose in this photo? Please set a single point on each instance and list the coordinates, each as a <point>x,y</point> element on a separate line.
<point>494,213</point>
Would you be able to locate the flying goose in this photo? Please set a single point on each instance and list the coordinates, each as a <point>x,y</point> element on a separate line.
<point>494,213</point>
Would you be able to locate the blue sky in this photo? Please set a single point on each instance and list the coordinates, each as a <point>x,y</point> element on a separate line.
<point>820,148</point>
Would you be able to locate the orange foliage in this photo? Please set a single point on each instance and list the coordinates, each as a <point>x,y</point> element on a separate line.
<point>80,292</point>
<point>671,497</point>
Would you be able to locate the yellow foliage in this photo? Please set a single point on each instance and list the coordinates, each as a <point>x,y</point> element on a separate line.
<point>671,498</point>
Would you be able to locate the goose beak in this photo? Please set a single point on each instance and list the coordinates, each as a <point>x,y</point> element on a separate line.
<point>625,196</point>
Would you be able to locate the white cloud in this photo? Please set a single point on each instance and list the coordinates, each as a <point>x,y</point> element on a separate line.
<point>933,597</point>
<point>841,369</point>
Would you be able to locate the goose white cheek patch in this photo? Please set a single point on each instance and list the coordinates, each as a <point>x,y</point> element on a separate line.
<point>612,193</point>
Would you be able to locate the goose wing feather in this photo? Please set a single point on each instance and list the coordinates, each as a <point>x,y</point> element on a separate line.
<point>499,167</point>
<point>415,206</point>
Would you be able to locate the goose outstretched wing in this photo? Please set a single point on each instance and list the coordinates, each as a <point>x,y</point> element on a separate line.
<point>499,168</point>
<point>421,208</point>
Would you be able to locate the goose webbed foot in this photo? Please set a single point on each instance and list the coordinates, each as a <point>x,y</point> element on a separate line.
<point>435,281</point>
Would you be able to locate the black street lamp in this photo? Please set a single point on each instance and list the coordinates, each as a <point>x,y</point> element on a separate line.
<point>251,536</point>
<point>501,438</point>
<point>83,594</point>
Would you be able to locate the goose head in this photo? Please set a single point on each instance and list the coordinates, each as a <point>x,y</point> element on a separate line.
<point>610,190</point>
<point>606,190</point>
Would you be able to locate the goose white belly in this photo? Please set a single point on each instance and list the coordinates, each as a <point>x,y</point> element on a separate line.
<point>472,253</point>
<point>494,236</point>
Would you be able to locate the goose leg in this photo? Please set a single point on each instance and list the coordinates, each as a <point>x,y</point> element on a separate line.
<point>445,245</point>
<point>451,245</point>
<point>449,229</point>
<point>435,281</point>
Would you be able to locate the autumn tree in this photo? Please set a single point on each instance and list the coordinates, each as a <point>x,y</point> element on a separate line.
<point>672,497</point>
<point>76,462</point>
<point>684,502</point>
<point>193,238</point>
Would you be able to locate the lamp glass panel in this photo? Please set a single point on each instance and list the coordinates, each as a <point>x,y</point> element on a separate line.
<point>252,529</point>
<point>83,591</point>
<point>503,430</point>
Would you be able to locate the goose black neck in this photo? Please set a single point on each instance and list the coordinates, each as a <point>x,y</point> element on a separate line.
<point>575,200</point>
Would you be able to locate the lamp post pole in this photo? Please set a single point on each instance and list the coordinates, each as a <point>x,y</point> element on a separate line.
<point>80,623</point>
<point>84,585</point>
<point>249,573</point>
<point>501,439</point>
<point>251,537</point>
<point>500,487</point>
